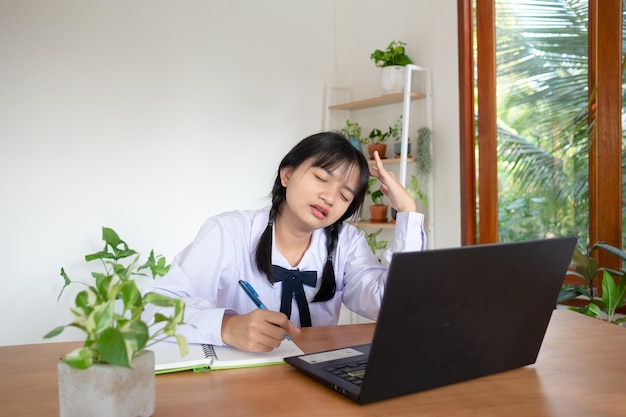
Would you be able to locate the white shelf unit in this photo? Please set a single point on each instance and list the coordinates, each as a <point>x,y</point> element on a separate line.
<point>338,98</point>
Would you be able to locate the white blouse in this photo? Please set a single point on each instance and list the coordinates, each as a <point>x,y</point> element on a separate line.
<point>206,273</point>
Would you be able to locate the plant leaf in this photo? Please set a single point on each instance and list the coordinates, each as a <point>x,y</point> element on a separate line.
<point>99,255</point>
<point>111,237</point>
<point>131,296</point>
<point>103,315</point>
<point>113,349</point>
<point>594,311</point>
<point>158,300</point>
<point>611,249</point>
<point>81,358</point>
<point>54,332</point>
<point>609,295</point>
<point>569,292</point>
<point>67,281</point>
<point>135,336</point>
<point>182,345</point>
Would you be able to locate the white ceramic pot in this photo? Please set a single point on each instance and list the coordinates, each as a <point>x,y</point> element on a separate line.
<point>392,79</point>
<point>107,390</point>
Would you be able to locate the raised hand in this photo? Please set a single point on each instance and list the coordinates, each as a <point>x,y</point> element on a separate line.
<point>399,198</point>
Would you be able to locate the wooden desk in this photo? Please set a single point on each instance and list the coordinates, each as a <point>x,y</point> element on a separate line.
<point>580,372</point>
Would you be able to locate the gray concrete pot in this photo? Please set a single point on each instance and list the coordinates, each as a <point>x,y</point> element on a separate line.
<point>392,79</point>
<point>107,390</point>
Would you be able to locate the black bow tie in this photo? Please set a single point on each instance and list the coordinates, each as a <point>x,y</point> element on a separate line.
<point>293,281</point>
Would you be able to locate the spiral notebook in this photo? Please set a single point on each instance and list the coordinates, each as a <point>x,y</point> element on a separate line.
<point>202,357</point>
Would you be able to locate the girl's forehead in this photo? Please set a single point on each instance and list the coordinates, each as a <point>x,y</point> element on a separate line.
<point>348,173</point>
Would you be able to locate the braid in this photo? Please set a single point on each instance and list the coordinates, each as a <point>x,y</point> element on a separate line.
<point>263,256</point>
<point>329,286</point>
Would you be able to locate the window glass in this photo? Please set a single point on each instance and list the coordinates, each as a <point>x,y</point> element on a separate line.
<point>542,99</point>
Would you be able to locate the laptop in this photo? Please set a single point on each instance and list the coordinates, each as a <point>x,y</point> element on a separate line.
<point>450,315</point>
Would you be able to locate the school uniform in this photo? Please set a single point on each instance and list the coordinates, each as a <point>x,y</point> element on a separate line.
<point>206,273</point>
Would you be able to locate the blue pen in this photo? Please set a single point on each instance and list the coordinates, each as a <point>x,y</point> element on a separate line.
<point>250,292</point>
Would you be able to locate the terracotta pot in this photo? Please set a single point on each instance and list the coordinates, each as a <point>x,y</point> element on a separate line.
<point>380,147</point>
<point>378,214</point>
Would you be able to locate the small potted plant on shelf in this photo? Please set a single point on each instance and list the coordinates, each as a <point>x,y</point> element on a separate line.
<point>375,244</point>
<point>423,155</point>
<point>392,60</point>
<point>416,193</point>
<point>112,374</point>
<point>376,141</point>
<point>378,210</point>
<point>352,131</point>
<point>395,132</point>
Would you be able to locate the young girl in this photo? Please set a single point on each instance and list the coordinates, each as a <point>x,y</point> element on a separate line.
<point>298,254</point>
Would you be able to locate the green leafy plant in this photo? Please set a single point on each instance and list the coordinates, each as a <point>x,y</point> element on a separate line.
<point>613,283</point>
<point>416,192</point>
<point>394,131</point>
<point>423,157</point>
<point>116,334</point>
<point>376,136</point>
<point>373,242</point>
<point>352,129</point>
<point>394,54</point>
<point>376,195</point>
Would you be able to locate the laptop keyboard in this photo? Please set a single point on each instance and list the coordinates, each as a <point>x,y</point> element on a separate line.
<point>351,372</point>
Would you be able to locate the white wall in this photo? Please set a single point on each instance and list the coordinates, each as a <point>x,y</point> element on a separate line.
<point>430,31</point>
<point>149,116</point>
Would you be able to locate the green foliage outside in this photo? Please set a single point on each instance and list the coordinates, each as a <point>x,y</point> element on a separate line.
<point>543,130</point>
<point>542,70</point>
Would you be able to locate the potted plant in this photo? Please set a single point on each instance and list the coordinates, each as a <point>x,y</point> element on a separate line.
<point>392,60</point>
<point>352,131</point>
<point>585,267</point>
<point>416,193</point>
<point>378,210</point>
<point>423,155</point>
<point>395,132</point>
<point>376,141</point>
<point>373,242</point>
<point>112,374</point>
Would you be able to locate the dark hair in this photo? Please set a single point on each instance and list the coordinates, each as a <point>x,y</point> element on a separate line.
<point>329,150</point>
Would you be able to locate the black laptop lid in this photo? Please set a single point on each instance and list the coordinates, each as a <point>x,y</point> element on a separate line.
<point>450,315</point>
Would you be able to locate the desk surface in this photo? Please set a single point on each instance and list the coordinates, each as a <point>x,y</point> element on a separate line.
<point>581,371</point>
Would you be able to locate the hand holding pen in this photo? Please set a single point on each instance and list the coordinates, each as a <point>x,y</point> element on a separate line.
<point>261,330</point>
<point>254,296</point>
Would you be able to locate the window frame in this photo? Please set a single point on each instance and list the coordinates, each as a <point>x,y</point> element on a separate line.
<point>478,127</point>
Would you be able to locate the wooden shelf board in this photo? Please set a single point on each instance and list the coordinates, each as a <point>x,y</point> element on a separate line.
<point>375,101</point>
<point>392,160</point>
<point>370,225</point>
